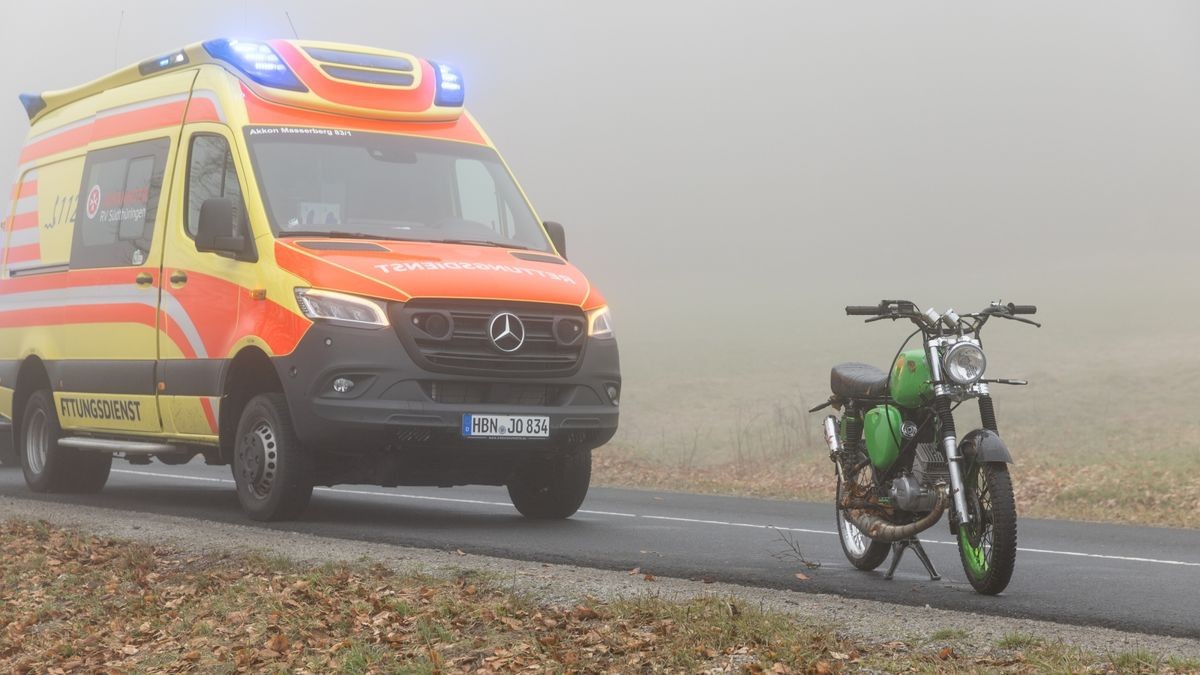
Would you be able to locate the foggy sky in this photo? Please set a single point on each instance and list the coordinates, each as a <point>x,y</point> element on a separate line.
<point>772,161</point>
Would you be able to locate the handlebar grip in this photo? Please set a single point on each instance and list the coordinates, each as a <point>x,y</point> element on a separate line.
<point>1022,309</point>
<point>862,310</point>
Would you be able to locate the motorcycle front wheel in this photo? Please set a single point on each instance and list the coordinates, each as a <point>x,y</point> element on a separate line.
<point>862,551</point>
<point>988,544</point>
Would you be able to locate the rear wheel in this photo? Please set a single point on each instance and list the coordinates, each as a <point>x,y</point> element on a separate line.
<point>862,551</point>
<point>552,489</point>
<point>48,467</point>
<point>272,469</point>
<point>988,545</point>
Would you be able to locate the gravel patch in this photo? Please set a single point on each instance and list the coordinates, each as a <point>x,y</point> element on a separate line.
<point>566,585</point>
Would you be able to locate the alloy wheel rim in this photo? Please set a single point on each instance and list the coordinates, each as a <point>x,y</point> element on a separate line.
<point>258,459</point>
<point>37,440</point>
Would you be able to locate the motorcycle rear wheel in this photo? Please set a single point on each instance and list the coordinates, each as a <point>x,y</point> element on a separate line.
<point>862,551</point>
<point>988,545</point>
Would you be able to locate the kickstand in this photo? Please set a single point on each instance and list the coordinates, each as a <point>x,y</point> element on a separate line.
<point>898,549</point>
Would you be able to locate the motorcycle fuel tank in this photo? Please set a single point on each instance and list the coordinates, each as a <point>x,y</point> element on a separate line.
<point>881,427</point>
<point>910,381</point>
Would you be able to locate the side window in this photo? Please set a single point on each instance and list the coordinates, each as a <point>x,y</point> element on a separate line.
<point>118,205</point>
<point>211,175</point>
<point>478,199</point>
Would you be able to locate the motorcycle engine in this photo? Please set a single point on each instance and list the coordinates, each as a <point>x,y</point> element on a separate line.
<point>919,491</point>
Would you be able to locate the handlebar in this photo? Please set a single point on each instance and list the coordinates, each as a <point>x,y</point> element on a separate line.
<point>1022,309</point>
<point>862,310</point>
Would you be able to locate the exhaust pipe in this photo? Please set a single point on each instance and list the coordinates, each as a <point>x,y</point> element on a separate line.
<point>831,435</point>
<point>879,529</point>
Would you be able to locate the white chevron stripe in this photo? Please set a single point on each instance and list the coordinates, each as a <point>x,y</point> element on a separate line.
<point>106,295</point>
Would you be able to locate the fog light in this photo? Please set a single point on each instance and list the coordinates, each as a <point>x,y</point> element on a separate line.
<point>613,393</point>
<point>343,385</point>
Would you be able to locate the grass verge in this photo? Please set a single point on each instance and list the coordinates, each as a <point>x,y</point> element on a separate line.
<point>72,602</point>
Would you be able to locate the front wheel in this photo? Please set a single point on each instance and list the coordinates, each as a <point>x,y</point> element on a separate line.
<point>988,545</point>
<point>862,551</point>
<point>552,489</point>
<point>272,469</point>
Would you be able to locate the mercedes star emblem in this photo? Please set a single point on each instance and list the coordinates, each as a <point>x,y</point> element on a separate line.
<point>507,332</point>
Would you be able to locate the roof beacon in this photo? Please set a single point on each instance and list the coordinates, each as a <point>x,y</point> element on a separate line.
<point>450,93</point>
<point>257,60</point>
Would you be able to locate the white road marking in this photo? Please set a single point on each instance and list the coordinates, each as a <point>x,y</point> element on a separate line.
<point>694,521</point>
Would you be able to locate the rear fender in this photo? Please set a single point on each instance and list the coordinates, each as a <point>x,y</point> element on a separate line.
<point>983,445</point>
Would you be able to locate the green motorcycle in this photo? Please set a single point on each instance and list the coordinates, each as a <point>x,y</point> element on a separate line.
<point>899,459</point>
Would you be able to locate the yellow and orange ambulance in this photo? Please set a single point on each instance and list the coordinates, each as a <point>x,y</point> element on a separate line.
<point>301,259</point>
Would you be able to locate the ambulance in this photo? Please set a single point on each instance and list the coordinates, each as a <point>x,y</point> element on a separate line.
<point>304,260</point>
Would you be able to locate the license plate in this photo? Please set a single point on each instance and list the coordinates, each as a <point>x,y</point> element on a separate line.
<point>505,426</point>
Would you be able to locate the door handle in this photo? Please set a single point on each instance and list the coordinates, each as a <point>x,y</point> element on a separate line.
<point>144,279</point>
<point>178,278</point>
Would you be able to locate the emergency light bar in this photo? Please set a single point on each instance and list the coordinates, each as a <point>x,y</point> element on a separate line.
<point>450,92</point>
<point>257,61</point>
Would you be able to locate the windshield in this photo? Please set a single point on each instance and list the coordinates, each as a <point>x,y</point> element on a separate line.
<point>354,184</point>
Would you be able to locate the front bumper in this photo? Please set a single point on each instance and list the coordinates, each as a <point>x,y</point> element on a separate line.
<point>396,403</point>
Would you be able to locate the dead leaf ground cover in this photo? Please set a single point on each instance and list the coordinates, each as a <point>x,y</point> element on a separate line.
<point>70,602</point>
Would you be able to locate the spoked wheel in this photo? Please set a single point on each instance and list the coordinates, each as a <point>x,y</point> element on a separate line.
<point>862,551</point>
<point>988,545</point>
<point>273,471</point>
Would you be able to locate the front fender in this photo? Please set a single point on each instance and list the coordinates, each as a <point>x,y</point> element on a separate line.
<point>983,445</point>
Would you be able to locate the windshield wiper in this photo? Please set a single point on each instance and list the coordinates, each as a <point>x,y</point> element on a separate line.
<point>483,242</point>
<point>337,234</point>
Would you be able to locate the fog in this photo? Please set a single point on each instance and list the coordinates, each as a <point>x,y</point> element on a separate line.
<point>745,169</point>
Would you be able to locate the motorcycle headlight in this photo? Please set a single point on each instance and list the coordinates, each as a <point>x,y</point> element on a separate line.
<point>331,306</point>
<point>965,363</point>
<point>600,324</point>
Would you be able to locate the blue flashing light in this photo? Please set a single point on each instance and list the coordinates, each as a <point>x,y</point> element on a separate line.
<point>450,90</point>
<point>258,61</point>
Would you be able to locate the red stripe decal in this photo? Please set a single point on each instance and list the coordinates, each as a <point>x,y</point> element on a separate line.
<point>206,405</point>
<point>26,253</point>
<point>27,189</point>
<point>80,314</point>
<point>24,221</point>
<point>202,110</point>
<point>108,126</point>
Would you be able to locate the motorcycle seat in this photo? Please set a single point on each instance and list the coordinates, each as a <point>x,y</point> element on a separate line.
<point>858,380</point>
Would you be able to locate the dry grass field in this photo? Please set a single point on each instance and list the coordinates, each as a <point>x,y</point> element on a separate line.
<point>1107,430</point>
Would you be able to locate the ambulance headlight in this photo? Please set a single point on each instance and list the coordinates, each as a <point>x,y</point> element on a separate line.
<point>321,305</point>
<point>600,323</point>
<point>450,92</point>
<point>965,363</point>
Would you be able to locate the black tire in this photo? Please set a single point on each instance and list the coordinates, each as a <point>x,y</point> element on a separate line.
<point>8,449</point>
<point>272,469</point>
<point>987,546</point>
<point>862,552</point>
<point>48,467</point>
<point>552,489</point>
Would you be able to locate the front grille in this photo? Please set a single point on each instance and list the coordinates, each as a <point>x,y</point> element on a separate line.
<point>498,393</point>
<point>452,337</point>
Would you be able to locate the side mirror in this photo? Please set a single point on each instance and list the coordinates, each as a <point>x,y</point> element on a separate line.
<point>218,232</point>
<point>558,236</point>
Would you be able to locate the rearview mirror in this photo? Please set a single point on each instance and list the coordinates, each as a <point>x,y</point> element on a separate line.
<point>218,232</point>
<point>558,237</point>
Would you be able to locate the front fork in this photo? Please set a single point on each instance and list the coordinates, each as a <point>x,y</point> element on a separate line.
<point>954,464</point>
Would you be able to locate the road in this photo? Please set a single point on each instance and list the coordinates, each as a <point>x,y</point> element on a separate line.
<point>1125,577</point>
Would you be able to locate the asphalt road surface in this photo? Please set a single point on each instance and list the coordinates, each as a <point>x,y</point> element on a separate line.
<point>1125,577</point>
